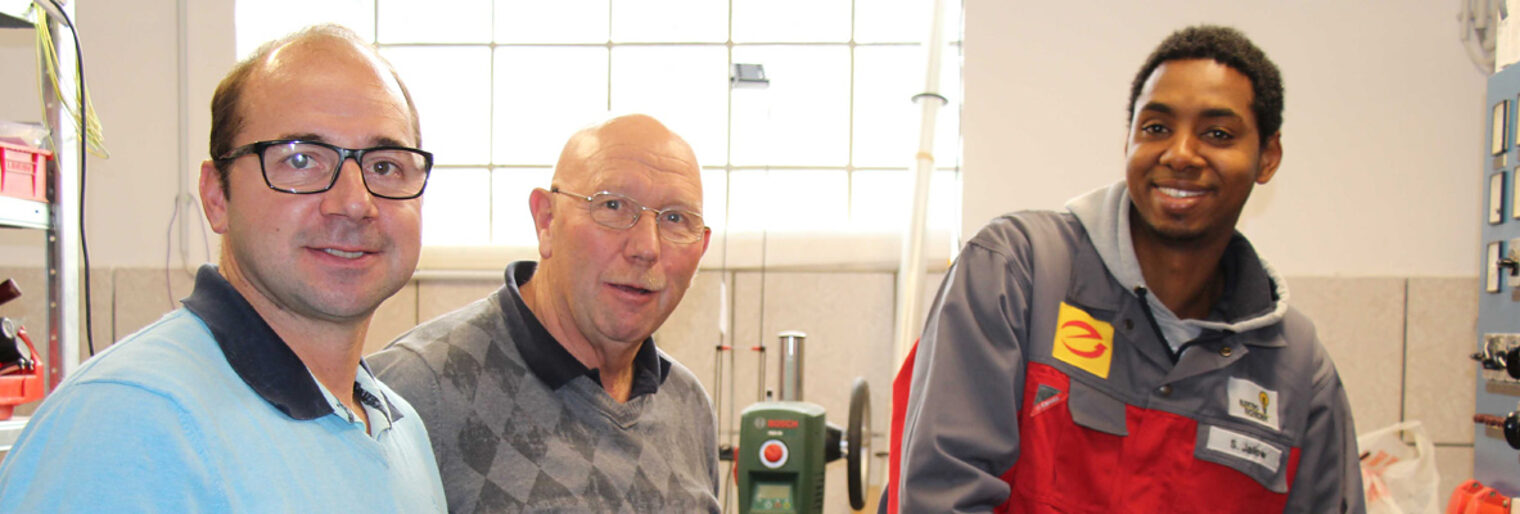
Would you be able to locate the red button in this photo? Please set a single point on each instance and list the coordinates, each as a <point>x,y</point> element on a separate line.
<point>772,452</point>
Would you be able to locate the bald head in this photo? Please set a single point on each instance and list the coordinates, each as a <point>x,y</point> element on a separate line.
<point>604,284</point>
<point>594,154</point>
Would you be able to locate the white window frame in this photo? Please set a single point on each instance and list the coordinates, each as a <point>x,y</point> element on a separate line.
<point>844,249</point>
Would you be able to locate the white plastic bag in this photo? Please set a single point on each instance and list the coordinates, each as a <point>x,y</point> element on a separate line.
<point>1398,478</point>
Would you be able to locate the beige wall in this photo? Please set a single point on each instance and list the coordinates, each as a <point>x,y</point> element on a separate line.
<point>1381,133</point>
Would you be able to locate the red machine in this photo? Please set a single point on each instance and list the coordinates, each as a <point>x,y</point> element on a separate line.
<point>20,366</point>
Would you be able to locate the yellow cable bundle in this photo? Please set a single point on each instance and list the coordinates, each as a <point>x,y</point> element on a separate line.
<point>47,57</point>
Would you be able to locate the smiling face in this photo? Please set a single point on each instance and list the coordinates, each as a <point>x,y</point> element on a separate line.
<point>330,256</point>
<point>614,287</point>
<point>1194,152</point>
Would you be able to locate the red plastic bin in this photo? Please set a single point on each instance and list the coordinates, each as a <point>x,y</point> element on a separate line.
<point>23,171</point>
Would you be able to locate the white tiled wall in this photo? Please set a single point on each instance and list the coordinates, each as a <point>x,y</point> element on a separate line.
<point>1442,326</point>
<point>1401,344</point>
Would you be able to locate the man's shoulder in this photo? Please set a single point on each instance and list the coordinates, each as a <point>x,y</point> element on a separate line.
<point>1300,353</point>
<point>1023,228</point>
<point>172,354</point>
<point>461,340</point>
<point>173,364</point>
<point>682,381</point>
<point>150,387</point>
<point>1299,332</point>
<point>470,328</point>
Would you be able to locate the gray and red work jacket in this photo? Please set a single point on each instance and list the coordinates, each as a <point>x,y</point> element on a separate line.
<point>1041,385</point>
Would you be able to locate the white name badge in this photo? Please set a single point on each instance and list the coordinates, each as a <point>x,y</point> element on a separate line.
<point>1245,447</point>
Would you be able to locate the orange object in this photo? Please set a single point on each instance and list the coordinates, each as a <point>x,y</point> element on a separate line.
<point>23,171</point>
<point>24,387</point>
<point>1491,503</point>
<point>1476,498</point>
<point>1463,496</point>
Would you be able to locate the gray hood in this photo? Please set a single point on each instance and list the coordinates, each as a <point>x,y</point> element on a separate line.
<point>1104,213</point>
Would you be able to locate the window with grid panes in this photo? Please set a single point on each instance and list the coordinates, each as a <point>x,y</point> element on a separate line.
<point>825,151</point>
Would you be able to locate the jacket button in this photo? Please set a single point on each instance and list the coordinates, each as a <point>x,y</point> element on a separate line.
<point>1129,324</point>
<point>1165,390</point>
<point>1225,351</point>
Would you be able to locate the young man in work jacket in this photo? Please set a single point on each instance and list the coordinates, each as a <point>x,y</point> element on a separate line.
<point>1135,354</point>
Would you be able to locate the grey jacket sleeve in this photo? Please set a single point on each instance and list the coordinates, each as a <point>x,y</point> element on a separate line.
<point>960,430</point>
<point>1329,471</point>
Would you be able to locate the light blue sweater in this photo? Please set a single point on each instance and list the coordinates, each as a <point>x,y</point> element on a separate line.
<point>162,422</point>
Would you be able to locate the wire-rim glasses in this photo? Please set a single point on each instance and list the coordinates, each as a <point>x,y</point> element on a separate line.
<point>620,212</point>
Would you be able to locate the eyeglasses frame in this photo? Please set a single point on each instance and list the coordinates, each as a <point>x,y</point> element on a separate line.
<point>344,154</point>
<point>642,208</point>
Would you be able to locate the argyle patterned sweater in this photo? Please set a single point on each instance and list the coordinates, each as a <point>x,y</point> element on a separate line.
<point>507,442</point>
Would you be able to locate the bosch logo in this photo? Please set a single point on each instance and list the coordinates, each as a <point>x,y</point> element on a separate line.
<point>781,423</point>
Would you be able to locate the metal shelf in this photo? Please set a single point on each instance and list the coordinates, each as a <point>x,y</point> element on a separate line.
<point>18,213</point>
<point>59,217</point>
<point>8,21</point>
<point>10,430</point>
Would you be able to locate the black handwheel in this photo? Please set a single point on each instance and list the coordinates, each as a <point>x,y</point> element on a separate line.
<point>1512,362</point>
<point>1511,430</point>
<point>858,443</point>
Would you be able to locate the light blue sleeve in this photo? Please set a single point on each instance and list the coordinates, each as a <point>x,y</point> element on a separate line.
<point>105,446</point>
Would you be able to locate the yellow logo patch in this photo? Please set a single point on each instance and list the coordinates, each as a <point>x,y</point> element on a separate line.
<point>1083,341</point>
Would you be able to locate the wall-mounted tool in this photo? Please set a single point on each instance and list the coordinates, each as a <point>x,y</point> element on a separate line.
<point>1509,424</point>
<point>1500,356</point>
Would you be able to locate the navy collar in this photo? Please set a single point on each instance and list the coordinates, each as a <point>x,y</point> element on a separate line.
<point>549,360</point>
<point>259,356</point>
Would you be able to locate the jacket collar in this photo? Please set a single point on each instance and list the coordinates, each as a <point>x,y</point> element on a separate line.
<point>1254,295</point>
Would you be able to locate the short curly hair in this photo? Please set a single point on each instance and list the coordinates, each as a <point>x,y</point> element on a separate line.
<point>1229,47</point>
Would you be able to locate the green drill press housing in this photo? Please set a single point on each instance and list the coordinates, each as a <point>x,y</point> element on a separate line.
<point>781,458</point>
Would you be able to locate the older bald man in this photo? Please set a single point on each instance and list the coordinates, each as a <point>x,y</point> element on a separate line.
<point>550,393</point>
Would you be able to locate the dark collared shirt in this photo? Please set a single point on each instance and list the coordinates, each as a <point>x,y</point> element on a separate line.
<point>261,358</point>
<point>552,363</point>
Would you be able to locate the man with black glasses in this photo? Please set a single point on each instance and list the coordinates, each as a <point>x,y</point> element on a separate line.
<point>253,397</point>
<point>550,393</point>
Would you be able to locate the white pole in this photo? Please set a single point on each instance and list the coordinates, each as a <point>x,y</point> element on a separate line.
<point>910,269</point>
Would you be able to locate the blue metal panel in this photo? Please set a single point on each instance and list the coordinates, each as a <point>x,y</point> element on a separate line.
<point>1494,462</point>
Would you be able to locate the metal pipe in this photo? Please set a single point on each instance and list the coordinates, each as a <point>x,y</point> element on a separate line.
<point>791,365</point>
<point>910,268</point>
